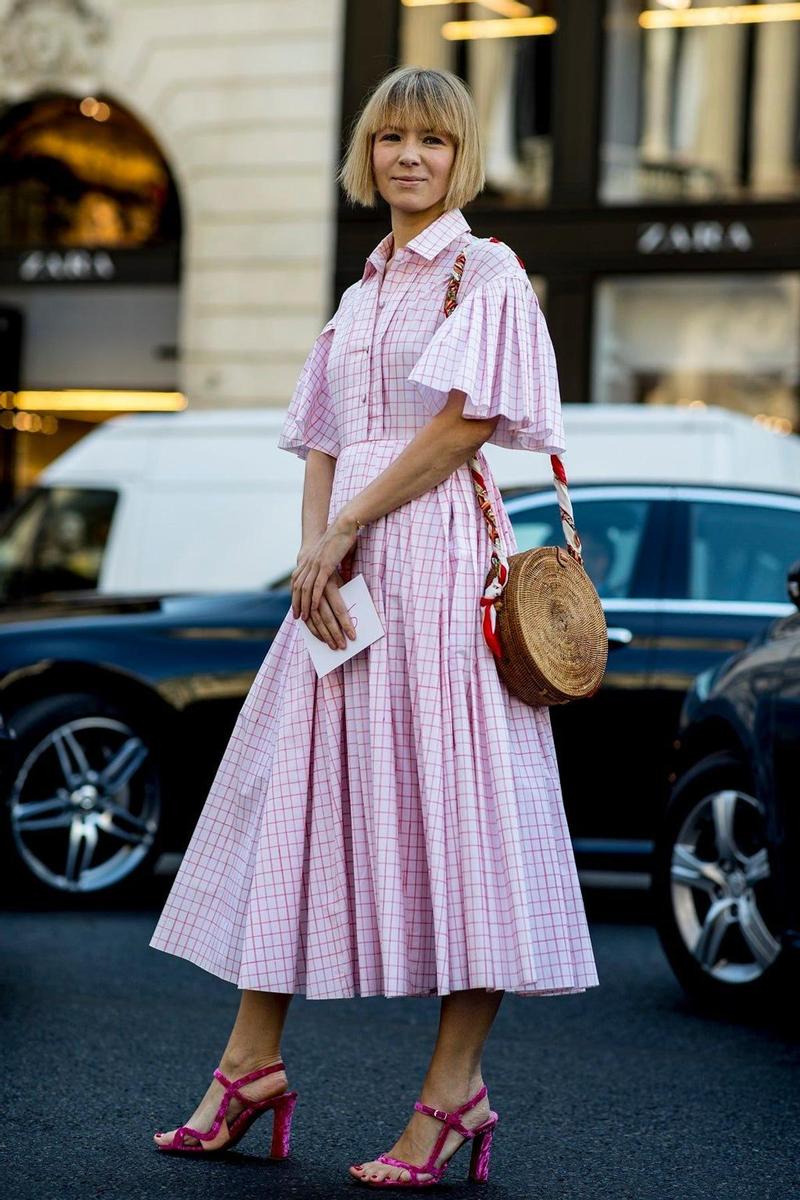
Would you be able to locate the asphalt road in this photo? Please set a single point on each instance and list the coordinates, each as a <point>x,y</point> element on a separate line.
<point>622,1092</point>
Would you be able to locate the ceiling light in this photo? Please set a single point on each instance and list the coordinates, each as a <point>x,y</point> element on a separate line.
<point>455,31</point>
<point>91,400</point>
<point>504,8</point>
<point>727,14</point>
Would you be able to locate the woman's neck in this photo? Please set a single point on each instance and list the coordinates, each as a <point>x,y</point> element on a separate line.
<point>406,226</point>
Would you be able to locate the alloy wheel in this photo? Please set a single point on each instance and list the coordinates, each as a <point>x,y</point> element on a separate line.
<point>719,877</point>
<point>85,804</point>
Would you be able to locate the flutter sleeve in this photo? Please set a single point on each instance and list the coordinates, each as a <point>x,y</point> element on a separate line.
<point>495,346</point>
<point>310,422</point>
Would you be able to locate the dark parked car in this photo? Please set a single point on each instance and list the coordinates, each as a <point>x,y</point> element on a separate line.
<point>122,709</point>
<point>687,576</point>
<point>726,880</point>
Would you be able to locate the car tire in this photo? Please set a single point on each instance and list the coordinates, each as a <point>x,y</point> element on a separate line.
<point>84,789</point>
<point>714,907</point>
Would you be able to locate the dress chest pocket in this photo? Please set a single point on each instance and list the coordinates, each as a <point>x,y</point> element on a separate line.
<point>348,356</point>
<point>416,318</point>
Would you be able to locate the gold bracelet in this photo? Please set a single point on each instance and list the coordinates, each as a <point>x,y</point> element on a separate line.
<point>359,524</point>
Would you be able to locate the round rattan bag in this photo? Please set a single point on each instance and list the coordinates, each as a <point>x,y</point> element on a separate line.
<point>541,616</point>
<point>551,628</point>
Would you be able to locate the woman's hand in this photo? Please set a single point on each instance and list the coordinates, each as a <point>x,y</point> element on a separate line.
<point>331,617</point>
<point>316,582</point>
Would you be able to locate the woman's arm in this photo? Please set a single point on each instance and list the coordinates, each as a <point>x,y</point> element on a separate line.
<point>444,444</point>
<point>331,616</point>
<point>317,487</point>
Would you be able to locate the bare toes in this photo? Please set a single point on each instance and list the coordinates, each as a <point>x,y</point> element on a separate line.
<point>165,1138</point>
<point>375,1172</point>
<point>369,1170</point>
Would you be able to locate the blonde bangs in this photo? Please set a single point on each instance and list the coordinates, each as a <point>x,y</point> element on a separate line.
<point>416,98</point>
<point>411,105</point>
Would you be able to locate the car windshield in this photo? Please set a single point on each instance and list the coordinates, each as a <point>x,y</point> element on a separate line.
<point>741,552</point>
<point>53,540</point>
<point>611,533</point>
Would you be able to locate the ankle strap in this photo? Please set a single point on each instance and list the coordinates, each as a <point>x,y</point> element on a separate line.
<point>452,1119</point>
<point>259,1073</point>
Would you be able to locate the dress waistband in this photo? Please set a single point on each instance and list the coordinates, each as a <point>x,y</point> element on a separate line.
<point>371,441</point>
<point>384,441</point>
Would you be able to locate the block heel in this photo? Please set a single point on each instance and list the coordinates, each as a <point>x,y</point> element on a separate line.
<point>283,1108</point>
<point>481,1154</point>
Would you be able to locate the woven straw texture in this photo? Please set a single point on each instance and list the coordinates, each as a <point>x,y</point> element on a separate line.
<point>551,628</point>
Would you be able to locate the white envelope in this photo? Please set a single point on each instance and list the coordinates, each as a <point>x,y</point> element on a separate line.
<point>365,619</point>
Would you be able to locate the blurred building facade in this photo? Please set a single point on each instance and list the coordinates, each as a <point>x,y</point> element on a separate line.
<point>167,207</point>
<point>171,232</point>
<point>643,159</point>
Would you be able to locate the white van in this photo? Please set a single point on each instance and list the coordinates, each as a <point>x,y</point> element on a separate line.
<point>206,501</point>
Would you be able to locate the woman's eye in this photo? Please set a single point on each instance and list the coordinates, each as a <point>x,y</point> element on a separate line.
<point>429,136</point>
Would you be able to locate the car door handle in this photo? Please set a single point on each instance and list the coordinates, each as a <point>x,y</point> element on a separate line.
<point>618,636</point>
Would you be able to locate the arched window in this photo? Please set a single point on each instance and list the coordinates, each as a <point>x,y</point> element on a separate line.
<point>82,172</point>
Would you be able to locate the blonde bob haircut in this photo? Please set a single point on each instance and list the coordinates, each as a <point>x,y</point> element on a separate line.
<point>416,98</point>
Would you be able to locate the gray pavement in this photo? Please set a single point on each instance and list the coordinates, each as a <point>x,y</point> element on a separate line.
<point>622,1092</point>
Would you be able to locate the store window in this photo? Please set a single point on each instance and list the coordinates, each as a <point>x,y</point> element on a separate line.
<point>702,101</point>
<point>505,51</point>
<point>718,339</point>
<point>82,172</point>
<point>539,285</point>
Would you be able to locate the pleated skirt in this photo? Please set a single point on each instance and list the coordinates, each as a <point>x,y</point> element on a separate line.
<point>395,828</point>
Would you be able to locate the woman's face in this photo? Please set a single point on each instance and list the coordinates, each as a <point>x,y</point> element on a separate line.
<point>412,154</point>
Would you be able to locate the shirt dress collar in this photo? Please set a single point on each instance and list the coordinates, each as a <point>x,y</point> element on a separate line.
<point>433,239</point>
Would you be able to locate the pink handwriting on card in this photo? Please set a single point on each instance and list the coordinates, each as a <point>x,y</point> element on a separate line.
<point>366,623</point>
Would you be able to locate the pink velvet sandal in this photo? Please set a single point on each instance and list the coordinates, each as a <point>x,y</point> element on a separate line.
<point>481,1151</point>
<point>222,1136</point>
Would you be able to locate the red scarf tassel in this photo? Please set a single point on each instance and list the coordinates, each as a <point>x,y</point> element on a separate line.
<point>489,634</point>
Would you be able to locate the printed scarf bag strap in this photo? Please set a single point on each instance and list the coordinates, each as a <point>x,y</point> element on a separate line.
<point>541,616</point>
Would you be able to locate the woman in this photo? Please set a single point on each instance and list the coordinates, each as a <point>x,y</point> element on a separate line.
<point>395,827</point>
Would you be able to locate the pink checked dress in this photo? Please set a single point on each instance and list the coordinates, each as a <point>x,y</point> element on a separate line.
<point>396,828</point>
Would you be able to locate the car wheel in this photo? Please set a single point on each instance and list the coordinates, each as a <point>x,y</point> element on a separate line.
<point>84,794</point>
<point>712,887</point>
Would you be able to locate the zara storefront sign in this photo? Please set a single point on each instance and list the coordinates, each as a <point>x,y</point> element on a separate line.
<point>65,266</point>
<point>693,237</point>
